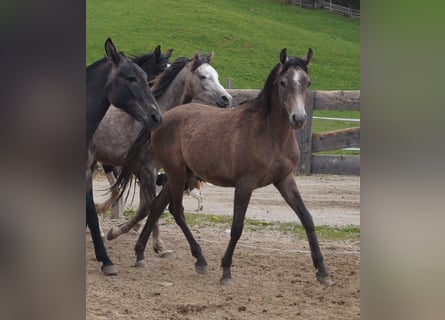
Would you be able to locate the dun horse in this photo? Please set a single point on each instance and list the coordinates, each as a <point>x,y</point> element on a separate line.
<point>184,80</point>
<point>118,81</point>
<point>248,147</point>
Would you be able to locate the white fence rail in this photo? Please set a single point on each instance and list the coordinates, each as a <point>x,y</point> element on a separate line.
<point>328,5</point>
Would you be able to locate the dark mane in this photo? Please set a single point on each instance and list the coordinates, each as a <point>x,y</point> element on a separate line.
<point>95,64</point>
<point>140,60</point>
<point>101,61</point>
<point>264,97</point>
<point>163,80</point>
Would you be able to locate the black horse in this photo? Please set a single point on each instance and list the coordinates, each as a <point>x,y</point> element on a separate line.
<point>153,64</point>
<point>115,80</point>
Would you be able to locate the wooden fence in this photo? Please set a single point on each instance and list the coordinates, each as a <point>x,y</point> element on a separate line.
<point>315,142</point>
<point>327,5</point>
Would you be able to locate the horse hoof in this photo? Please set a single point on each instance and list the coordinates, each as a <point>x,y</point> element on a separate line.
<point>110,270</point>
<point>201,269</point>
<point>226,282</point>
<point>324,280</point>
<point>112,234</point>
<point>140,264</point>
<point>167,254</point>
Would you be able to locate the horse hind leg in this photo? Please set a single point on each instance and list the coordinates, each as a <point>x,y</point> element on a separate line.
<point>177,184</point>
<point>195,193</point>
<point>157,208</point>
<point>288,189</point>
<point>158,244</point>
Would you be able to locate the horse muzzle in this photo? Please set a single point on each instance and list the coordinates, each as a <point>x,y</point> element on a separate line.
<point>297,121</point>
<point>225,101</point>
<point>153,120</point>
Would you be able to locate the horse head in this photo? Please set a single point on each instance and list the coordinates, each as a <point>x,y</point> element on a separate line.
<point>153,63</point>
<point>127,89</point>
<point>292,81</point>
<point>203,83</point>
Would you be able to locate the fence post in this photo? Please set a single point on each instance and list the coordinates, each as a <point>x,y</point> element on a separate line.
<point>117,209</point>
<point>304,138</point>
<point>229,83</point>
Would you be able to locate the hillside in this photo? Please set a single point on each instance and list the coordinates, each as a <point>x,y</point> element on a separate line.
<point>246,36</point>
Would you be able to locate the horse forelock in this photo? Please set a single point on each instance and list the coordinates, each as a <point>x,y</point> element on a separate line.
<point>163,80</point>
<point>265,95</point>
<point>203,58</point>
<point>296,63</point>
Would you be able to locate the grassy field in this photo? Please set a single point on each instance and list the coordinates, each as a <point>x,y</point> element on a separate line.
<point>246,36</point>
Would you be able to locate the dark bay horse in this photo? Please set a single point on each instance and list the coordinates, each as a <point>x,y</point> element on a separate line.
<point>184,80</point>
<point>118,81</point>
<point>247,147</point>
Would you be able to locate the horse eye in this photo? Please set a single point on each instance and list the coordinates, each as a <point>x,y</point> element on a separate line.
<point>282,83</point>
<point>202,77</point>
<point>132,79</point>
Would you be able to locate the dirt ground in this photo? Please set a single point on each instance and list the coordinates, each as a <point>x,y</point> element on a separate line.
<point>273,273</point>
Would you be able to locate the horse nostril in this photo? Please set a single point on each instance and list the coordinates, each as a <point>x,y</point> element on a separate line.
<point>225,99</point>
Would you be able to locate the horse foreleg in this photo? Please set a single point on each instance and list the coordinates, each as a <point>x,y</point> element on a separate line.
<point>288,189</point>
<point>92,222</point>
<point>156,210</point>
<point>241,201</point>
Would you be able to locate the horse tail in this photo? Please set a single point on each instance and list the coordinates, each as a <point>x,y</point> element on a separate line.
<point>130,165</point>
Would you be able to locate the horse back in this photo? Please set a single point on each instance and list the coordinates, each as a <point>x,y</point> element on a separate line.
<point>223,145</point>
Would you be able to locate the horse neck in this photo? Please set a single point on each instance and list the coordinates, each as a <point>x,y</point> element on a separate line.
<point>176,92</point>
<point>97,104</point>
<point>277,120</point>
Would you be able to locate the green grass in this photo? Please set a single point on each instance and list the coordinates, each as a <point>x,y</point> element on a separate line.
<point>205,220</point>
<point>246,36</point>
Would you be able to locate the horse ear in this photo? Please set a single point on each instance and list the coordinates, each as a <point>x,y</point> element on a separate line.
<point>211,55</point>
<point>195,60</point>
<point>196,56</point>
<point>169,53</point>
<point>111,52</point>
<point>308,56</point>
<point>283,56</point>
<point>157,52</point>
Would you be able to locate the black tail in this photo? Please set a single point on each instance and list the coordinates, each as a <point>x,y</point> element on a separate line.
<point>130,165</point>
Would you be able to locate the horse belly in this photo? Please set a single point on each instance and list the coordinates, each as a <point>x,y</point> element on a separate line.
<point>210,168</point>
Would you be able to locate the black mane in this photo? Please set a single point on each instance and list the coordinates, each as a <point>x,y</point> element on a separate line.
<point>163,80</point>
<point>95,64</point>
<point>140,60</point>
<point>101,61</point>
